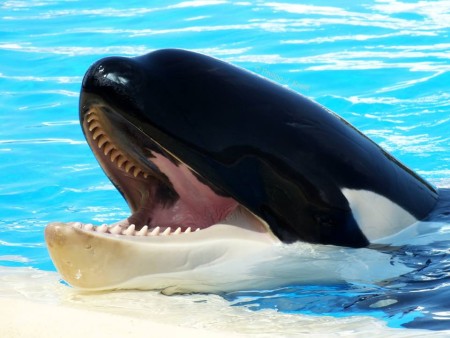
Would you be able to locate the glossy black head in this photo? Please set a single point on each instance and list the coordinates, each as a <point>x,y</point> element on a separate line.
<point>282,156</point>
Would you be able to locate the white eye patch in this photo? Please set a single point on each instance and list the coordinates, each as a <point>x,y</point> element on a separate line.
<point>376,215</point>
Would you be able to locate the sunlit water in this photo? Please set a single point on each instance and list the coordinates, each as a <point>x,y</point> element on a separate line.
<point>382,65</point>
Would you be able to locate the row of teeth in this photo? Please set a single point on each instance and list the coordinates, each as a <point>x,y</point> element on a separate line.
<point>103,141</point>
<point>131,230</point>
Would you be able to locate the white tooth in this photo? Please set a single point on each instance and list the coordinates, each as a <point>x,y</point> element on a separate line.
<point>108,148</point>
<point>188,230</point>
<point>176,232</point>
<point>129,231</point>
<point>128,166</point>
<point>101,141</point>
<point>97,133</point>
<point>136,172</point>
<point>122,159</point>
<point>88,227</point>
<point>93,125</point>
<point>102,228</point>
<point>91,117</point>
<point>115,230</point>
<point>166,232</point>
<point>155,232</point>
<point>114,154</point>
<point>143,231</point>
<point>198,229</point>
<point>77,225</point>
<point>145,175</point>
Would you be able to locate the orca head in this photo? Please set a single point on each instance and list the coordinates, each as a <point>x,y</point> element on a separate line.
<point>200,148</point>
<point>182,117</point>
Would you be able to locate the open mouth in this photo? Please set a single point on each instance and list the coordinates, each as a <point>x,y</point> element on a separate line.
<point>166,197</point>
<point>178,222</point>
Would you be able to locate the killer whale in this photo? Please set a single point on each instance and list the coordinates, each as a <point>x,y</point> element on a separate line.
<point>193,142</point>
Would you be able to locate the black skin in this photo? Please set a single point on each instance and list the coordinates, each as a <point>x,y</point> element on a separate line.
<point>279,154</point>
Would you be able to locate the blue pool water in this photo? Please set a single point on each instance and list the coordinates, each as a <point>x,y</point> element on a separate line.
<point>382,65</point>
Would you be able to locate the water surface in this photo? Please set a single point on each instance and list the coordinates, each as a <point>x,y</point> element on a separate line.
<point>382,65</point>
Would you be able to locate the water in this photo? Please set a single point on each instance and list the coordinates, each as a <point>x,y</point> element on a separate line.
<point>383,65</point>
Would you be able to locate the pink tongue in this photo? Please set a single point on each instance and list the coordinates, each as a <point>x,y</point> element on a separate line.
<point>198,205</point>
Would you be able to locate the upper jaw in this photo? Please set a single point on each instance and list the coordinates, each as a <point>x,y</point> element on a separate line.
<point>153,184</point>
<point>147,175</point>
<point>129,176</point>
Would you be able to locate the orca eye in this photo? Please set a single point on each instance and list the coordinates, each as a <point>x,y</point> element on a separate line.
<point>325,220</point>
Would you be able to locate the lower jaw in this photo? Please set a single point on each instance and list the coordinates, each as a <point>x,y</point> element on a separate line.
<point>91,260</point>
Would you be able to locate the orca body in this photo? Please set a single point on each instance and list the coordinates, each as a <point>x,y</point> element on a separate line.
<point>192,142</point>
